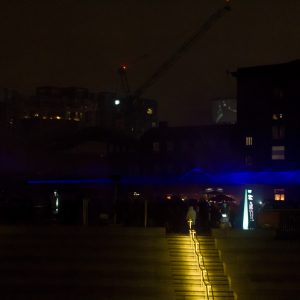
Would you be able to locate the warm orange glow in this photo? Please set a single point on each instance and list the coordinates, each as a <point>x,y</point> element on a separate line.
<point>279,195</point>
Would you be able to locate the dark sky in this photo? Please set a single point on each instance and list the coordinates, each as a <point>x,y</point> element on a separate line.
<point>82,43</point>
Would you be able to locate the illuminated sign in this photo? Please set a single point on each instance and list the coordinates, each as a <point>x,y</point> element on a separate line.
<point>248,216</point>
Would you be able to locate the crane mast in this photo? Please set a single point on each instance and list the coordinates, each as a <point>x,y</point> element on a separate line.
<point>166,65</point>
<point>124,80</point>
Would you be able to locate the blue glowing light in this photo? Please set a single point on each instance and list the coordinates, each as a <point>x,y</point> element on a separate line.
<point>195,176</point>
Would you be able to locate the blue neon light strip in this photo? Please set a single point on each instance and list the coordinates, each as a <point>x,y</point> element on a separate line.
<point>193,177</point>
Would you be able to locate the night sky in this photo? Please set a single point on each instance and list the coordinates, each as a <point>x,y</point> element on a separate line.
<point>82,43</point>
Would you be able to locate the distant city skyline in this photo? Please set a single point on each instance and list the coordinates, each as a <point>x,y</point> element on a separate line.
<point>82,43</point>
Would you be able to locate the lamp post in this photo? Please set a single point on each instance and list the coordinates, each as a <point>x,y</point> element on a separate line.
<point>116,181</point>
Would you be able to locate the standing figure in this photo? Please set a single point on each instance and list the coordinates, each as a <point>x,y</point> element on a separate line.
<point>191,217</point>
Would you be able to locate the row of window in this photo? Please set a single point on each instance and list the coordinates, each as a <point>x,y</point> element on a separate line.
<point>278,153</point>
<point>278,133</point>
<point>75,116</point>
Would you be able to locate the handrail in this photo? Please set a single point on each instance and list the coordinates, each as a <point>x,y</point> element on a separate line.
<point>201,263</point>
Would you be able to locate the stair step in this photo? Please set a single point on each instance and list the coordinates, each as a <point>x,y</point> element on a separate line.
<point>184,260</point>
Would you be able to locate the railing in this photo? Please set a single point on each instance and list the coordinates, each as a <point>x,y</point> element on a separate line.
<point>201,263</point>
<point>289,224</point>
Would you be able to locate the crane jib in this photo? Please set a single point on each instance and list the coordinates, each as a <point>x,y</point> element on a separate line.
<point>166,65</point>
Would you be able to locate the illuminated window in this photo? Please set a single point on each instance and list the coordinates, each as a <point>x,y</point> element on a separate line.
<point>249,140</point>
<point>278,132</point>
<point>155,146</point>
<point>277,116</point>
<point>278,152</point>
<point>117,102</point>
<point>149,111</point>
<point>279,195</point>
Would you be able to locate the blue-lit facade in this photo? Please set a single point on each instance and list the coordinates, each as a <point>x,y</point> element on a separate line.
<point>259,153</point>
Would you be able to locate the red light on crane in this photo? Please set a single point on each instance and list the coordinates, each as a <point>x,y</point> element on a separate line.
<point>123,67</point>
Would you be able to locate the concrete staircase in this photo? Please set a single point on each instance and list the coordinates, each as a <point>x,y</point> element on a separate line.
<point>111,262</point>
<point>259,265</point>
<point>84,263</point>
<point>187,277</point>
<point>220,288</point>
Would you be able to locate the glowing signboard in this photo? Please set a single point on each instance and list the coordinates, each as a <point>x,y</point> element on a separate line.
<point>248,216</point>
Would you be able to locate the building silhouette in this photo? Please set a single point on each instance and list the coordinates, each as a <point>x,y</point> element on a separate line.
<point>269,125</point>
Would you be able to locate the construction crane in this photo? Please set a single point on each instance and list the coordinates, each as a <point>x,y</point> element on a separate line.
<point>124,80</point>
<point>166,65</point>
<point>134,103</point>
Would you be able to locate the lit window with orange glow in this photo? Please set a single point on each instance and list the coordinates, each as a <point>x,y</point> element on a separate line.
<point>279,195</point>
